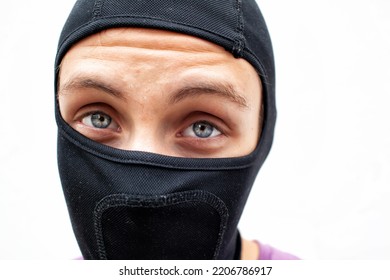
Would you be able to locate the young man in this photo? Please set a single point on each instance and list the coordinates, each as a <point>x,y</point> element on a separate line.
<point>166,113</point>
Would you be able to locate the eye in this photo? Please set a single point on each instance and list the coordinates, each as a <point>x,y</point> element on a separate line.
<point>201,129</point>
<point>98,120</point>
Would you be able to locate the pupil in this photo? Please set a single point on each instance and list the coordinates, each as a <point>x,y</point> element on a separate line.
<point>100,120</point>
<point>202,129</point>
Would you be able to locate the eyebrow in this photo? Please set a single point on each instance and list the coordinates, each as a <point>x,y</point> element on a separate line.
<point>222,89</point>
<point>80,83</point>
<point>216,88</point>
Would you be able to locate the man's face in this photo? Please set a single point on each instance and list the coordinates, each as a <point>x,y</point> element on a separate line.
<point>161,92</point>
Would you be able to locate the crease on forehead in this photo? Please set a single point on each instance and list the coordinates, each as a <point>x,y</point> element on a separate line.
<point>153,39</point>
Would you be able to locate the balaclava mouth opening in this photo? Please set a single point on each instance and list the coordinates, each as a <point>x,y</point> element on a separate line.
<point>139,205</point>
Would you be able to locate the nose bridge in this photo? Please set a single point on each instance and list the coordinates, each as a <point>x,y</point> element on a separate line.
<point>145,136</point>
<point>145,114</point>
<point>144,139</point>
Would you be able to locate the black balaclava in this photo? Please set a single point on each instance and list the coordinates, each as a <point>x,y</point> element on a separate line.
<point>139,205</point>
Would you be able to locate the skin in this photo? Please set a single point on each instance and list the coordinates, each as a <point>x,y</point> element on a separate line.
<point>146,89</point>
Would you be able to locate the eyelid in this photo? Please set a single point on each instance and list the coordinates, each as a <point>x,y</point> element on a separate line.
<point>86,114</point>
<point>211,118</point>
<point>95,108</point>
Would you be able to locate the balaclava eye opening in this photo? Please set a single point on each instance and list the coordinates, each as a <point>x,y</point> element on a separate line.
<point>139,205</point>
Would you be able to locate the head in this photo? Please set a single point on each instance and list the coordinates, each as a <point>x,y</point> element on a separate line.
<point>171,103</point>
<point>162,92</point>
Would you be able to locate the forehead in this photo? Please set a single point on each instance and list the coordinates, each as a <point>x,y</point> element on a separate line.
<point>136,55</point>
<point>116,42</point>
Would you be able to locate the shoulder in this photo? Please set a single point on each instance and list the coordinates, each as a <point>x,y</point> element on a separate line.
<point>268,252</point>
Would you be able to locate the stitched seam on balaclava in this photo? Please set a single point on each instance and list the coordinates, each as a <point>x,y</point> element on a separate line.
<point>239,40</point>
<point>97,9</point>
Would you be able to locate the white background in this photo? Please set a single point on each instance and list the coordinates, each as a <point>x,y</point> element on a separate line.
<point>323,193</point>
